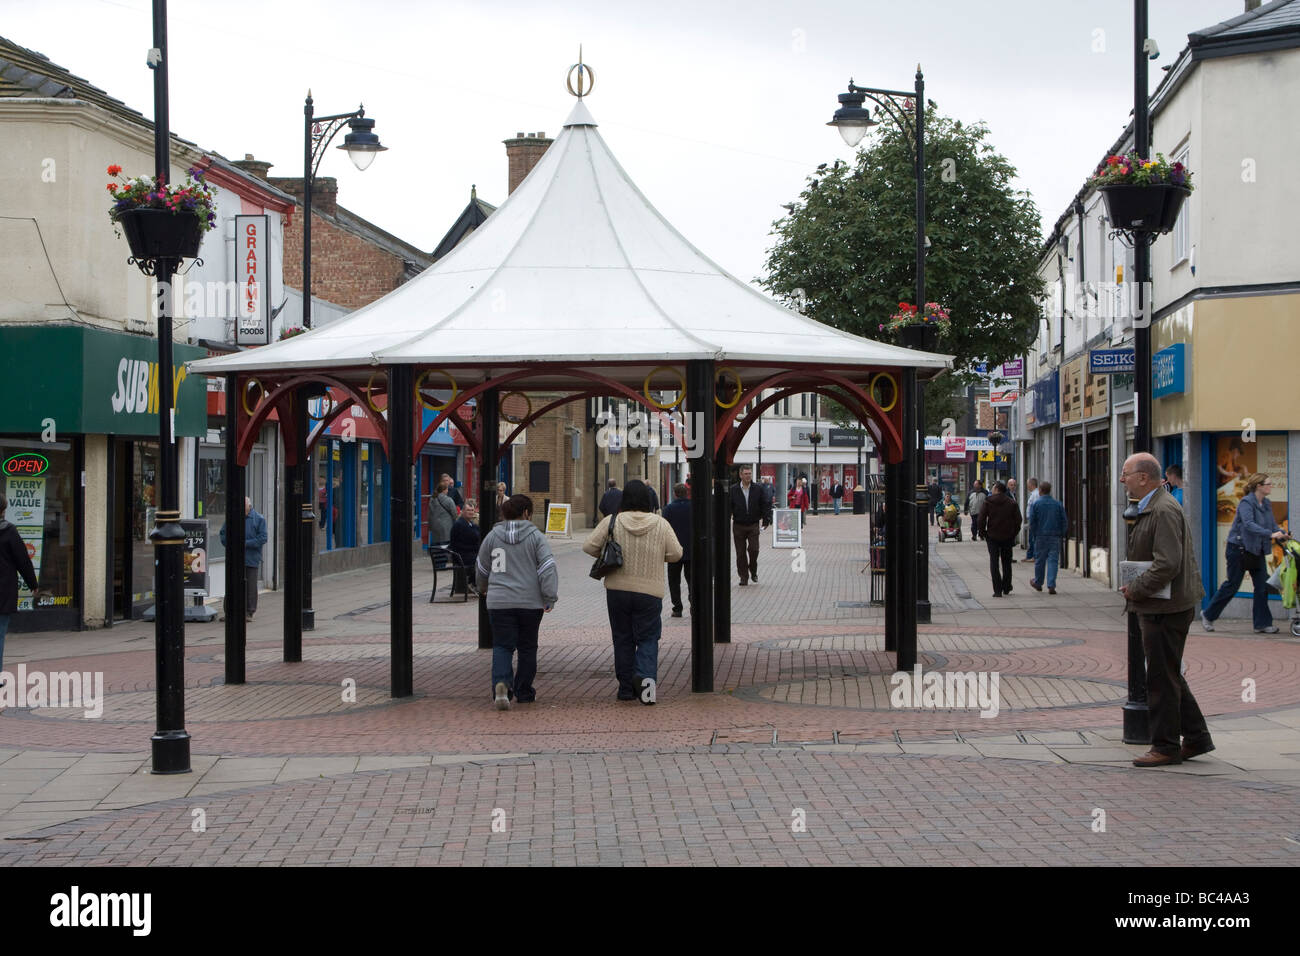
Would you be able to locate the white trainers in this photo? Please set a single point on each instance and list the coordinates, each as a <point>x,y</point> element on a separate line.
<point>502,699</point>
<point>1205,622</point>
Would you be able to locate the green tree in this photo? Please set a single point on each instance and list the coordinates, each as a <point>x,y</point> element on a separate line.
<point>845,254</point>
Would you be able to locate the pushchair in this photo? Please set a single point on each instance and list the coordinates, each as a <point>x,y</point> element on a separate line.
<point>1284,579</point>
<point>950,524</point>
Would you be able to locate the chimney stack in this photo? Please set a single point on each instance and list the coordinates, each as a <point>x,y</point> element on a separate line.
<point>324,192</point>
<point>255,167</point>
<point>523,152</point>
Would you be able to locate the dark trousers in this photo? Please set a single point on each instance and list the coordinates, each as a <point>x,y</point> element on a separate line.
<point>974,528</point>
<point>1000,553</point>
<point>1228,590</point>
<point>1172,707</point>
<point>746,538</point>
<point>250,591</point>
<point>675,571</point>
<point>635,623</point>
<point>514,629</point>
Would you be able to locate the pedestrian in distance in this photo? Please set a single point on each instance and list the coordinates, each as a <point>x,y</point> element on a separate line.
<point>1047,526</point>
<point>1029,506</point>
<point>936,495</point>
<point>999,523</point>
<point>974,503</point>
<point>1174,482</point>
<point>516,573</point>
<point>15,562</point>
<point>1250,540</point>
<point>501,497</point>
<point>255,536</point>
<point>610,500</point>
<point>1160,534</point>
<point>466,539</point>
<point>453,492</point>
<point>442,514</point>
<point>634,593</point>
<point>1011,493</point>
<point>837,495</point>
<point>749,510</point>
<point>798,498</point>
<point>678,515</point>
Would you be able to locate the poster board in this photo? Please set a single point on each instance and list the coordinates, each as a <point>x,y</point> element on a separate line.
<point>787,530</point>
<point>194,557</point>
<point>557,519</point>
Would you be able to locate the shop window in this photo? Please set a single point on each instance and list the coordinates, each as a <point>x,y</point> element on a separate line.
<point>39,488</point>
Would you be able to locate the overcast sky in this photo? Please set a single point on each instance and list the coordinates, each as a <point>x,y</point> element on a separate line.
<point>715,108</point>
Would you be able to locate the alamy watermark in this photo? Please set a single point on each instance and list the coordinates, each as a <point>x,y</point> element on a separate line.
<point>643,430</point>
<point>951,690</point>
<point>73,689</point>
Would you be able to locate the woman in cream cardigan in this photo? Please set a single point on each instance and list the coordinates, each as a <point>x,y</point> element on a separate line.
<point>634,594</point>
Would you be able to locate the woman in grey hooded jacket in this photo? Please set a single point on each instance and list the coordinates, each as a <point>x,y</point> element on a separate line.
<point>516,570</point>
<point>442,515</point>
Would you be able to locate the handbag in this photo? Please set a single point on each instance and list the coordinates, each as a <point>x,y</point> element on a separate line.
<point>611,555</point>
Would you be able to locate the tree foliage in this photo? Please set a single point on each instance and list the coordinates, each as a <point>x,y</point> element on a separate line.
<point>845,254</point>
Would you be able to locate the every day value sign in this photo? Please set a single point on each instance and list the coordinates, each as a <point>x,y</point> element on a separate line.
<point>27,513</point>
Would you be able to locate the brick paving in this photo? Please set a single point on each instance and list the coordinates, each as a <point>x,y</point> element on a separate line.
<point>802,695</point>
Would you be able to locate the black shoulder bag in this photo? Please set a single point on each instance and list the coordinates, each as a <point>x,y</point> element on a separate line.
<point>611,555</point>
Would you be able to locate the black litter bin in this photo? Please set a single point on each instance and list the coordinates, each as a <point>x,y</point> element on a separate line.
<point>859,500</point>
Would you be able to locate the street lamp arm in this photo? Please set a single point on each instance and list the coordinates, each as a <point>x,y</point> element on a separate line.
<point>886,100</point>
<point>323,131</point>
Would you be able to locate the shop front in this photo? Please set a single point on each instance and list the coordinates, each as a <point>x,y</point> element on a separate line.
<point>81,464</point>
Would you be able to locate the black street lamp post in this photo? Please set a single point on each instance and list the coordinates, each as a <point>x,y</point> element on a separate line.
<point>905,495</point>
<point>996,438</point>
<point>361,144</point>
<point>816,439</point>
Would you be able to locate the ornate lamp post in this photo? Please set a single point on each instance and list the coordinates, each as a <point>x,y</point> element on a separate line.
<point>361,144</point>
<point>996,438</point>
<point>853,121</point>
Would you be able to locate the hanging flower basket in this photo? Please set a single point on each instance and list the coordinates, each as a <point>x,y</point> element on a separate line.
<point>159,234</point>
<point>1144,208</point>
<point>919,329</point>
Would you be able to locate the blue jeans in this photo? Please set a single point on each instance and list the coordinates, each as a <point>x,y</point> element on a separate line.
<point>515,629</point>
<point>1030,545</point>
<point>837,505</point>
<point>635,622</point>
<point>1259,607</point>
<point>1047,555</point>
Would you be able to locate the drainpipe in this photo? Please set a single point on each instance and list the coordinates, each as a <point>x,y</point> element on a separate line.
<point>1083,274</point>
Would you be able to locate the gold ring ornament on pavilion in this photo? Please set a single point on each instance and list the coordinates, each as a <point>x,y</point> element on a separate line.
<point>681,388</point>
<point>740,387</point>
<point>261,395</point>
<point>420,385</point>
<point>583,71</point>
<point>514,419</point>
<point>370,401</point>
<point>893,384</point>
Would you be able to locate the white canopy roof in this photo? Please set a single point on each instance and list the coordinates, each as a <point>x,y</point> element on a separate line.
<point>574,267</point>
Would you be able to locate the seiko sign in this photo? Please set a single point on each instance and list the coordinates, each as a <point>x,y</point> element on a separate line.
<point>1112,361</point>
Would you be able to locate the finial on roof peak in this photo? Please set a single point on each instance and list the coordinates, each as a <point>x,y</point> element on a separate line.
<point>473,191</point>
<point>584,73</point>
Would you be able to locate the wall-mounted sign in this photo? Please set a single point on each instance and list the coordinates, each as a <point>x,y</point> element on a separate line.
<point>1046,400</point>
<point>1013,369</point>
<point>26,464</point>
<point>252,279</point>
<point>1003,397</point>
<point>803,436</point>
<point>1112,361</point>
<point>1169,371</point>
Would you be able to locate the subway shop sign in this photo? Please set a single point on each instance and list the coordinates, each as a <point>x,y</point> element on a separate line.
<point>89,381</point>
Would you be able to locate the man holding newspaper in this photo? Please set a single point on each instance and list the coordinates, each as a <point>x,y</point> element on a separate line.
<point>1160,535</point>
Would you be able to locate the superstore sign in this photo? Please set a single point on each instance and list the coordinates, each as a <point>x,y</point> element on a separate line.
<point>26,465</point>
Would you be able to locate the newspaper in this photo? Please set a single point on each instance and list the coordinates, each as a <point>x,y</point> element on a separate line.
<point>1128,570</point>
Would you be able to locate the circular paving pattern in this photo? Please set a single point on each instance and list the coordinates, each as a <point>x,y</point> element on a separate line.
<point>873,692</point>
<point>228,702</point>
<point>327,653</point>
<point>924,642</point>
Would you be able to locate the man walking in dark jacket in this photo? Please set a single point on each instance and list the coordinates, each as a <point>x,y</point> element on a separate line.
<point>749,508</point>
<point>611,499</point>
<point>255,537</point>
<point>999,523</point>
<point>14,561</point>
<point>678,514</point>
<point>1160,534</point>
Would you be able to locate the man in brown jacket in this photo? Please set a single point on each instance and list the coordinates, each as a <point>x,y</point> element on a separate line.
<point>1160,535</point>
<point>998,525</point>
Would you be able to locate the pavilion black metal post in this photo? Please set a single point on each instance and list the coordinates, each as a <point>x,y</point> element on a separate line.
<point>893,566</point>
<point>293,493</point>
<point>907,525</point>
<point>816,439</point>
<point>700,405</point>
<point>1136,724</point>
<point>401,427</point>
<point>489,438</point>
<point>170,743</point>
<point>308,512</point>
<point>236,610</point>
<point>918,449</point>
<point>721,550</point>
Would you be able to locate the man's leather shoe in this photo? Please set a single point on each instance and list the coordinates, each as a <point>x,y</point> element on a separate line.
<point>753,576</point>
<point>1155,759</point>
<point>677,612</point>
<point>744,581</point>
<point>1187,753</point>
<point>1035,585</point>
